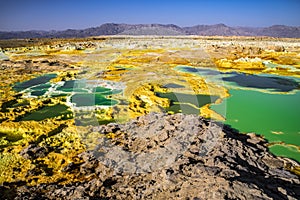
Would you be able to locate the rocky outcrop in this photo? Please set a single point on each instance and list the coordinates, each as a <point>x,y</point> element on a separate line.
<point>160,156</point>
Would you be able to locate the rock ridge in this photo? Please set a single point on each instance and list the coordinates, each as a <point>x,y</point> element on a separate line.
<point>234,166</point>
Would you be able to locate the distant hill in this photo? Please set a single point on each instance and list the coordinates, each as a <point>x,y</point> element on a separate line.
<point>159,29</point>
<point>280,31</point>
<point>217,29</point>
<point>153,29</point>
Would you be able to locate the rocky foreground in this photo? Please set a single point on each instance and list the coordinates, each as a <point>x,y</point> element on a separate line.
<point>160,156</point>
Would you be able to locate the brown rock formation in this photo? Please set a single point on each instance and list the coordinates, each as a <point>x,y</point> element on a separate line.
<point>235,166</point>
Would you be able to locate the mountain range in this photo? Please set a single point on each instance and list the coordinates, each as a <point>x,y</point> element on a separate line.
<point>158,29</point>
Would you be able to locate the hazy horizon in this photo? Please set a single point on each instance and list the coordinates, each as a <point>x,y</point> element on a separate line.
<point>139,24</point>
<point>47,15</point>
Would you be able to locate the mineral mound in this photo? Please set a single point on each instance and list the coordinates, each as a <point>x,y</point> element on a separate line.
<point>234,166</point>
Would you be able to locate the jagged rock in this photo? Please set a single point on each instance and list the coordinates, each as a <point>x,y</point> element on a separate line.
<point>236,166</point>
<point>34,151</point>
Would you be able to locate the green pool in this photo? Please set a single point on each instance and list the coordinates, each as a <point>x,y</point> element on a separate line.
<point>40,81</point>
<point>58,110</point>
<point>187,103</point>
<point>264,104</point>
<point>275,116</point>
<point>92,100</point>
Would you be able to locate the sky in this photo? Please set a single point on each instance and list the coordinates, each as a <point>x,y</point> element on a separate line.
<point>17,15</point>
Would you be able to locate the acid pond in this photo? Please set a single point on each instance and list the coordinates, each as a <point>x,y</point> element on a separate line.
<point>275,116</point>
<point>79,93</point>
<point>34,82</point>
<point>265,104</point>
<point>187,103</point>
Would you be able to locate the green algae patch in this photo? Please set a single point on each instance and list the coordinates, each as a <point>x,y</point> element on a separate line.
<point>58,110</point>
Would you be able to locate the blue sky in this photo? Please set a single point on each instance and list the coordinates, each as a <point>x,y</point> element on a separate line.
<point>78,14</point>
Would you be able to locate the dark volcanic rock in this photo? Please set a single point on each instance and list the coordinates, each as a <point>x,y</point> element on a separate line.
<point>161,156</point>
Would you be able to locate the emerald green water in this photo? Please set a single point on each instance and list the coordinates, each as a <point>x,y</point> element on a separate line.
<point>255,105</point>
<point>286,151</point>
<point>82,93</point>
<point>38,93</point>
<point>275,116</point>
<point>101,89</point>
<point>92,100</point>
